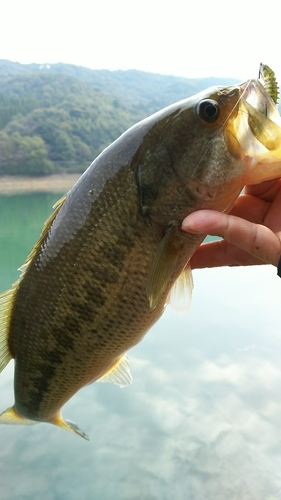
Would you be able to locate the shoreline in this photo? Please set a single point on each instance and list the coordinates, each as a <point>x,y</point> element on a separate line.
<point>57,183</point>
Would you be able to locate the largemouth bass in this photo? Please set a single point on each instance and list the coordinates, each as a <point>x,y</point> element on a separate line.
<point>112,254</point>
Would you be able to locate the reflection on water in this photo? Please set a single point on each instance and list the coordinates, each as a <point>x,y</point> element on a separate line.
<point>202,418</point>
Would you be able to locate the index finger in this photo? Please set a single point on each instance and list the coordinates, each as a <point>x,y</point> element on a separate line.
<point>255,239</point>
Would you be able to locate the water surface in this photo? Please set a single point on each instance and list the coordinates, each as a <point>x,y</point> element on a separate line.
<point>202,417</point>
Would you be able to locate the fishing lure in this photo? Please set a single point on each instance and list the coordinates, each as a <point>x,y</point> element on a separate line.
<point>267,76</point>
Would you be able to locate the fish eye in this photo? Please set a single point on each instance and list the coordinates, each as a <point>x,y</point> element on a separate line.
<point>208,110</point>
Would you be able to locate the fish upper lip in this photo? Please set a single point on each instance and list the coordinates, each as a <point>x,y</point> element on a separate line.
<point>256,130</point>
<point>251,91</point>
<point>257,96</point>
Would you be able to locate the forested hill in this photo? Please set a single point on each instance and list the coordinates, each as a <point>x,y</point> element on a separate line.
<point>58,118</point>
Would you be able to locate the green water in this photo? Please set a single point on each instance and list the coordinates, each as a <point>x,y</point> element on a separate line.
<point>21,220</point>
<point>202,417</point>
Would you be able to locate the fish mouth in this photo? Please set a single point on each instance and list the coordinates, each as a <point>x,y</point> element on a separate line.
<point>254,133</point>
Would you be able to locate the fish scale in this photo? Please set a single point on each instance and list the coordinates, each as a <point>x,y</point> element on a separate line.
<point>70,314</point>
<point>113,254</point>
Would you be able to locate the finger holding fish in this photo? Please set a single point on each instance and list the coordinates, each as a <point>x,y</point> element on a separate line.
<point>251,232</point>
<point>258,243</point>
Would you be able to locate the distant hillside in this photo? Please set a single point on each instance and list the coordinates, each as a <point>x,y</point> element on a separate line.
<point>147,91</point>
<point>53,123</point>
<point>56,118</point>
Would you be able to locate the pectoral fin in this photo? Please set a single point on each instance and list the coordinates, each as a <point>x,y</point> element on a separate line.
<point>181,292</point>
<point>163,265</point>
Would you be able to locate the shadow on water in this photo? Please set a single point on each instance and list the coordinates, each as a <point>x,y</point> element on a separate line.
<point>202,418</point>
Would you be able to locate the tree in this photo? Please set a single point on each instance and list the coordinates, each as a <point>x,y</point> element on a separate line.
<point>23,155</point>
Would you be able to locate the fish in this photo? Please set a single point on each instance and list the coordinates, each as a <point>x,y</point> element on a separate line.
<point>112,254</point>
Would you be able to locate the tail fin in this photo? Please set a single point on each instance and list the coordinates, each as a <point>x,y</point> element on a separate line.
<point>68,426</point>
<point>11,417</point>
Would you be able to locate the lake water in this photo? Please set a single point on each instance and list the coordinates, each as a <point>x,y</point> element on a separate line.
<point>202,419</point>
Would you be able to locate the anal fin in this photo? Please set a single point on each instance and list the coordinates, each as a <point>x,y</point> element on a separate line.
<point>119,373</point>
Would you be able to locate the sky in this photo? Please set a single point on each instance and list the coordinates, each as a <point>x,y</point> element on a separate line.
<point>197,38</point>
<point>200,421</point>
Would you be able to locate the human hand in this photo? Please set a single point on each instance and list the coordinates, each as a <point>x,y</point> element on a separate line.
<point>251,232</point>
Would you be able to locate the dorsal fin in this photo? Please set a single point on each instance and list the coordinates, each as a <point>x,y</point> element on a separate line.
<point>46,226</point>
<point>181,292</point>
<point>119,373</point>
<point>6,302</point>
<point>7,298</point>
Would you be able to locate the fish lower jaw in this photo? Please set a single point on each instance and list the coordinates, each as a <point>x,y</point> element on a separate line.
<point>262,168</point>
<point>260,163</point>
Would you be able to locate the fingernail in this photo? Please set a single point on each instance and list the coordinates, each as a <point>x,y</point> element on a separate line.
<point>188,228</point>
